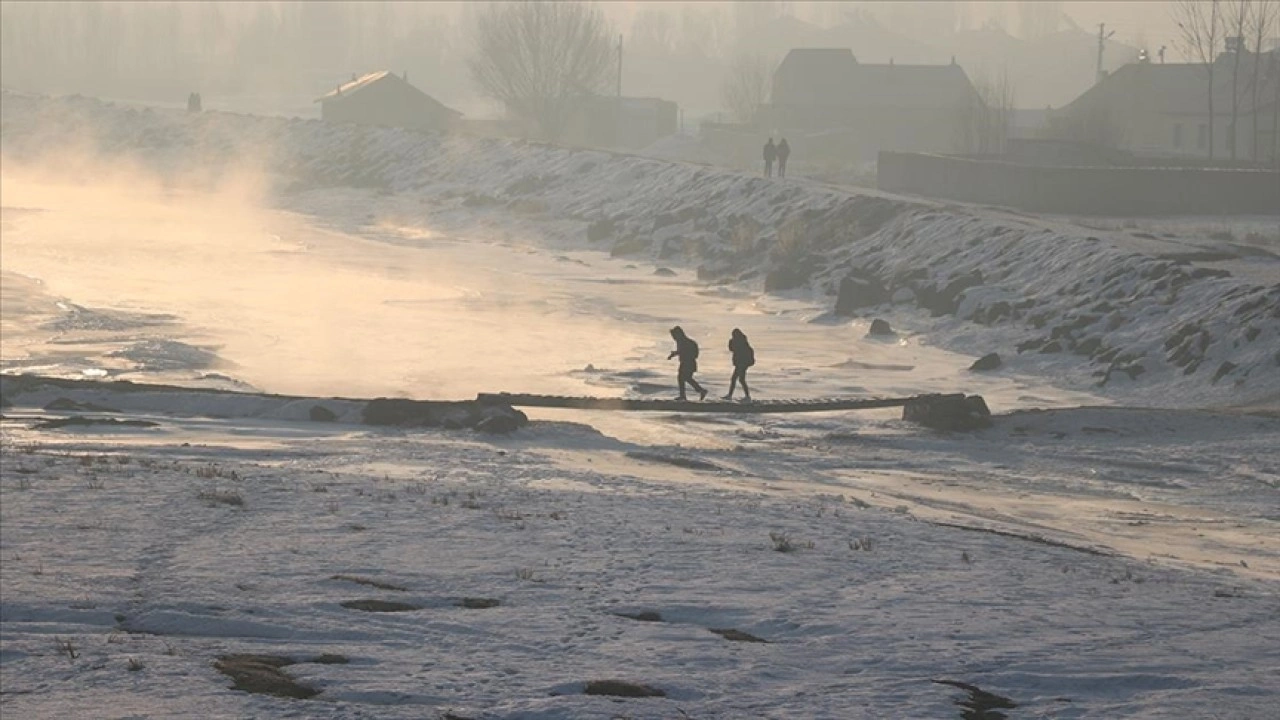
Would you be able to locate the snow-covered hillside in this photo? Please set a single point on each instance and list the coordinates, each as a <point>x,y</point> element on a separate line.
<point>1176,319</point>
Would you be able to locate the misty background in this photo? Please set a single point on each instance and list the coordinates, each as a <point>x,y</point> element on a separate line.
<point>277,57</point>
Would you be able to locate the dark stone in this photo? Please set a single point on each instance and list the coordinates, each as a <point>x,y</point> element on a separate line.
<point>858,292</point>
<point>990,361</point>
<point>946,300</point>
<point>642,616</point>
<point>1052,347</point>
<point>948,412</point>
<point>1204,272</point>
<point>996,312</point>
<point>1088,346</point>
<point>1250,335</point>
<point>737,635</point>
<point>600,229</point>
<point>446,414</point>
<point>784,278</point>
<point>630,245</point>
<point>478,603</point>
<point>880,327</point>
<point>664,272</point>
<point>379,606</point>
<point>498,425</point>
<point>1224,369</point>
<point>621,688</point>
<point>1132,370</point>
<point>330,659</point>
<point>261,674</point>
<point>320,413</point>
<point>1032,344</point>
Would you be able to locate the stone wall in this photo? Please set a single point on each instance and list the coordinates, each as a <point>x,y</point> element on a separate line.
<point>1083,190</point>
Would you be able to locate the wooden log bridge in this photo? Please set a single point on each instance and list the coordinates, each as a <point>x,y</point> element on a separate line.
<point>948,412</point>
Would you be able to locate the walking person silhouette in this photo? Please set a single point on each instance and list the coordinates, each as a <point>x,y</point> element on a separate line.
<point>770,152</point>
<point>744,356</point>
<point>687,351</point>
<point>783,152</point>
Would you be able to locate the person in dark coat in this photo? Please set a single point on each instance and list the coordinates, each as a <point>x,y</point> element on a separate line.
<point>784,151</point>
<point>770,152</point>
<point>687,351</point>
<point>744,356</point>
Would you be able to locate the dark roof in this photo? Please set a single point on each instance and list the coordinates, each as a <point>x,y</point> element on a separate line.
<point>347,91</point>
<point>1181,88</point>
<point>833,77</point>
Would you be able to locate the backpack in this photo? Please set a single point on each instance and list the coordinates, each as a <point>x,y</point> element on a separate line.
<point>749,355</point>
<point>693,350</point>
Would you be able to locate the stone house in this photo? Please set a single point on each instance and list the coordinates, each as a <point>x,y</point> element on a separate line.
<point>825,98</point>
<point>386,99</point>
<point>1161,109</point>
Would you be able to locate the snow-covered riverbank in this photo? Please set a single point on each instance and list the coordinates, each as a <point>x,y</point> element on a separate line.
<point>1084,560</point>
<point>1188,317</point>
<point>150,553</point>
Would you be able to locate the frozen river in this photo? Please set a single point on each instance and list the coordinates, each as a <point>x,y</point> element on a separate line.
<point>143,283</point>
<point>1064,586</point>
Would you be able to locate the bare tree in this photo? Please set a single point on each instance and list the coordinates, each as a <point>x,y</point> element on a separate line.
<point>1199,28</point>
<point>542,58</point>
<point>1238,18</point>
<point>746,86</point>
<point>986,119</point>
<point>1265,15</point>
<point>652,30</point>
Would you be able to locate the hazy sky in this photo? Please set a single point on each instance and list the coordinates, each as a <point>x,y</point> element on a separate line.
<point>290,51</point>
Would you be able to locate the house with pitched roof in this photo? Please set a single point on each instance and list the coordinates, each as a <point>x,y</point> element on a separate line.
<point>865,108</point>
<point>386,99</point>
<point>1162,109</point>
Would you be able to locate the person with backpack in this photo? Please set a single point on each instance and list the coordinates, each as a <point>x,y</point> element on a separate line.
<point>744,356</point>
<point>770,152</point>
<point>687,351</point>
<point>784,152</point>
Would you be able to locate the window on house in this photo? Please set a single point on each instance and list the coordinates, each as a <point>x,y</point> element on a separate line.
<point>1177,135</point>
<point>1202,136</point>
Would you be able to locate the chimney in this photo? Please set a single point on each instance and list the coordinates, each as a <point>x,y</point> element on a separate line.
<point>404,76</point>
<point>953,59</point>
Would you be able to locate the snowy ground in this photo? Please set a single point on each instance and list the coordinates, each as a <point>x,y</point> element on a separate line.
<point>1079,559</point>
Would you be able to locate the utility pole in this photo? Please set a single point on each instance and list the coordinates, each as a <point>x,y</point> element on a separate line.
<point>1102,38</point>
<point>619,64</point>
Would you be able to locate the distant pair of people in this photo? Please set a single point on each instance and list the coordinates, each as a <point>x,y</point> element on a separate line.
<point>744,356</point>
<point>779,152</point>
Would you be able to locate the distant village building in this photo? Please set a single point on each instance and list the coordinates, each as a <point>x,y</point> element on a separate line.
<point>621,122</point>
<point>863,108</point>
<point>386,99</point>
<point>1163,109</point>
